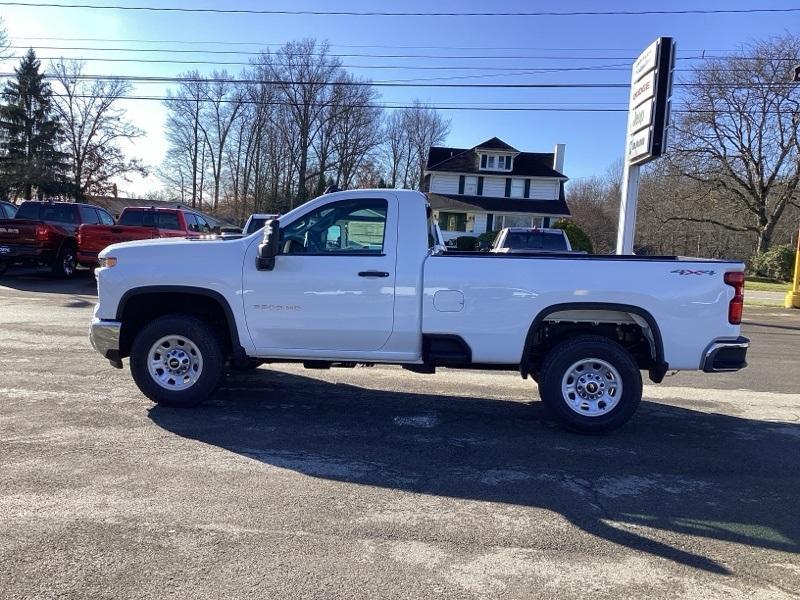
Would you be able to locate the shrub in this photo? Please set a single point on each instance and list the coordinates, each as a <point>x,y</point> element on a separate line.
<point>775,263</point>
<point>577,236</point>
<point>466,242</point>
<point>487,239</point>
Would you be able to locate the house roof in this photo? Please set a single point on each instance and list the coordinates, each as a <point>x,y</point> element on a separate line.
<point>501,205</point>
<point>465,160</point>
<point>496,143</point>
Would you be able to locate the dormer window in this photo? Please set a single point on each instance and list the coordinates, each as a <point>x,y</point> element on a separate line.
<point>493,162</point>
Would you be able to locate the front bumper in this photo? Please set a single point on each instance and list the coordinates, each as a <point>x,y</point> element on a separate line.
<point>104,336</point>
<point>726,355</point>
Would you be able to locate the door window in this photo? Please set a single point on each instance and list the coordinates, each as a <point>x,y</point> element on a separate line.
<point>89,215</point>
<point>105,218</point>
<point>345,227</point>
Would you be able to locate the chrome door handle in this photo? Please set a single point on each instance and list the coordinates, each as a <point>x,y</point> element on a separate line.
<point>373,274</point>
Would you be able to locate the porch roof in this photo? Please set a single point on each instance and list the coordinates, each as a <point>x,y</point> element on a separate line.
<point>498,205</point>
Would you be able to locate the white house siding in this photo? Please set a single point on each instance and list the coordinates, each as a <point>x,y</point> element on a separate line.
<point>480,223</point>
<point>444,184</point>
<point>494,187</point>
<point>542,189</point>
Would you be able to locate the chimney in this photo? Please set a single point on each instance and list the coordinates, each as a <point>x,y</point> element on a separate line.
<point>558,157</point>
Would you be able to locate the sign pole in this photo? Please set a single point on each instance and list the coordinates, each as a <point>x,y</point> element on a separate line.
<point>648,117</point>
<point>626,229</point>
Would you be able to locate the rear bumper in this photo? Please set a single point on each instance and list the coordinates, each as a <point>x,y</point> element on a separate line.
<point>726,355</point>
<point>88,259</point>
<point>104,337</point>
<point>13,253</point>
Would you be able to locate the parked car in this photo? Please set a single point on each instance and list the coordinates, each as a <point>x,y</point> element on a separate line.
<point>7,210</point>
<point>138,223</point>
<point>514,240</point>
<point>45,233</point>
<point>361,276</point>
<point>256,222</point>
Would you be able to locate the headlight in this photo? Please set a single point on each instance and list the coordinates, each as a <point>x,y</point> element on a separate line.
<point>108,262</point>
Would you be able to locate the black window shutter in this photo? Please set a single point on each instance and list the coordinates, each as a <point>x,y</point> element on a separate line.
<point>461,184</point>
<point>508,187</point>
<point>489,222</point>
<point>480,186</point>
<point>527,188</point>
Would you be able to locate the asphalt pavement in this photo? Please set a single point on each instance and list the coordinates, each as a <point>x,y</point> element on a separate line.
<point>380,483</point>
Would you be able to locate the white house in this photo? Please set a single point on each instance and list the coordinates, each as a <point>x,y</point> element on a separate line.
<point>494,185</point>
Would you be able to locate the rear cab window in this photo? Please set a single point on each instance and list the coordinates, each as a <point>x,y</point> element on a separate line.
<point>29,210</point>
<point>59,213</point>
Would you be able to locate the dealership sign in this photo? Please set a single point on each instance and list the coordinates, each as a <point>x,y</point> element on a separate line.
<point>648,109</point>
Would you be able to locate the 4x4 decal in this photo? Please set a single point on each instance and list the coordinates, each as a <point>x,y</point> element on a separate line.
<point>692,272</point>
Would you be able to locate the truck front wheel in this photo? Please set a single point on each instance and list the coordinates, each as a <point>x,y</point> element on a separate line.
<point>177,360</point>
<point>591,384</point>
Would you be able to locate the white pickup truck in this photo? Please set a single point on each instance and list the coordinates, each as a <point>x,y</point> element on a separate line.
<point>363,277</point>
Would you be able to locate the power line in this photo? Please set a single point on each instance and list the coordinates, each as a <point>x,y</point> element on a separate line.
<point>381,46</point>
<point>352,13</point>
<point>593,109</point>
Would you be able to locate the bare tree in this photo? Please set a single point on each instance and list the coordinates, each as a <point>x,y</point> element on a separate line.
<point>739,138</point>
<point>94,125</point>
<point>183,131</point>
<point>221,106</point>
<point>395,146</point>
<point>303,72</point>
<point>426,128</point>
<point>4,41</point>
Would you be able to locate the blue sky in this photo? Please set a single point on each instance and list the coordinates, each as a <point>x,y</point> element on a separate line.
<point>594,140</point>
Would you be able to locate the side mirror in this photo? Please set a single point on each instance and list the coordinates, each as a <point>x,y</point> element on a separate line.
<point>268,249</point>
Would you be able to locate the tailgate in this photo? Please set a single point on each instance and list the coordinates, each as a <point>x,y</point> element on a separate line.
<point>94,238</point>
<point>17,231</point>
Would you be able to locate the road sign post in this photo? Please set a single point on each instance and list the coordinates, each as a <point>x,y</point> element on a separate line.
<point>646,139</point>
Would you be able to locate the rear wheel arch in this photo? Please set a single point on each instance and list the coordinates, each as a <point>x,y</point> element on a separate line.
<point>602,315</point>
<point>138,306</point>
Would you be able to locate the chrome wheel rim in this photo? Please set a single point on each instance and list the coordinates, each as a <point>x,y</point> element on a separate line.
<point>69,264</point>
<point>591,387</point>
<point>175,362</point>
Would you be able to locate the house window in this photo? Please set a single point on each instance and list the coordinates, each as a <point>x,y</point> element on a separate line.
<point>449,221</point>
<point>512,221</point>
<point>517,188</point>
<point>471,186</point>
<point>490,161</point>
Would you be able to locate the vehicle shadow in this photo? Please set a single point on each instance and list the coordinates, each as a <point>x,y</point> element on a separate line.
<point>40,280</point>
<point>670,471</point>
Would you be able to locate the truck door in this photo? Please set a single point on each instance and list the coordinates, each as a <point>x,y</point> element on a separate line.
<point>333,284</point>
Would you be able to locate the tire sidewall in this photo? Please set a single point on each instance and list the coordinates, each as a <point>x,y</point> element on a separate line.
<point>207,343</point>
<point>567,353</point>
<point>59,266</point>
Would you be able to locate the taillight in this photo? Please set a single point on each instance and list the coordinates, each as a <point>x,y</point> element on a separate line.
<point>736,281</point>
<point>42,233</point>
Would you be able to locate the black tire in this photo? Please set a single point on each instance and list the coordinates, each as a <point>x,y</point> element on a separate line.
<point>559,362</point>
<point>66,262</point>
<point>207,343</point>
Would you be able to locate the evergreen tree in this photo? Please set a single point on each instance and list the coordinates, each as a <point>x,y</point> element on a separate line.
<point>30,136</point>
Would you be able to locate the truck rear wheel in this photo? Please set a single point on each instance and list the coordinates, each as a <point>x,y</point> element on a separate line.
<point>65,264</point>
<point>177,360</point>
<point>591,384</point>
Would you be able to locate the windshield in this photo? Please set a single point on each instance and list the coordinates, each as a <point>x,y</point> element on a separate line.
<point>256,223</point>
<point>535,240</point>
